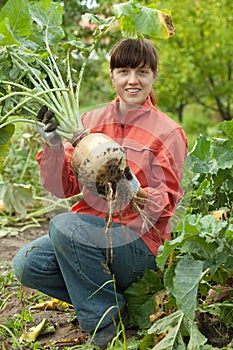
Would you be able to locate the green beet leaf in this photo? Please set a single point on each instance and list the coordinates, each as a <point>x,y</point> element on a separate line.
<point>6,35</point>
<point>141,298</point>
<point>17,11</point>
<point>188,274</point>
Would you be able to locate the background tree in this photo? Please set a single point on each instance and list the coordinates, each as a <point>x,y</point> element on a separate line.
<point>196,65</point>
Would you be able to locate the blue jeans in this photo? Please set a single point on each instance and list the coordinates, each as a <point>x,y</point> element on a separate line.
<point>76,263</point>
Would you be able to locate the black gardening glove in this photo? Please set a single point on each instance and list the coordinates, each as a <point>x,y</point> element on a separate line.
<point>48,132</point>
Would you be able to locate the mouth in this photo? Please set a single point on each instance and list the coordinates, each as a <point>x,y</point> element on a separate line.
<point>132,91</point>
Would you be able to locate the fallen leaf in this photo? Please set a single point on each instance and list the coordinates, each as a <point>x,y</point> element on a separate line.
<point>79,340</point>
<point>221,214</point>
<point>8,232</point>
<point>42,328</point>
<point>157,316</point>
<point>219,294</point>
<point>54,304</point>
<point>2,206</point>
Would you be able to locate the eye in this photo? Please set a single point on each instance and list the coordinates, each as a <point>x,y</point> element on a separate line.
<point>143,71</point>
<point>123,71</point>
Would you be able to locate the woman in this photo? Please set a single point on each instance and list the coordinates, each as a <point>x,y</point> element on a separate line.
<point>72,262</point>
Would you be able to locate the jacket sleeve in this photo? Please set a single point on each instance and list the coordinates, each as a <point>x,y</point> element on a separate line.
<point>55,171</point>
<point>164,184</point>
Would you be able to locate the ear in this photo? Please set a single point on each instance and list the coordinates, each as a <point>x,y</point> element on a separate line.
<point>112,79</point>
<point>154,79</point>
<point>111,75</point>
<point>156,74</point>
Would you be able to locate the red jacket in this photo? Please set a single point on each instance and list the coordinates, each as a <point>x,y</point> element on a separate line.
<point>156,148</point>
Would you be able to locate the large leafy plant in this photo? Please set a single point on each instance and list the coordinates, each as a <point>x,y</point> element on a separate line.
<point>195,268</point>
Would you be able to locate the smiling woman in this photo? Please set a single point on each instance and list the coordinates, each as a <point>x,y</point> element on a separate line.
<point>152,149</point>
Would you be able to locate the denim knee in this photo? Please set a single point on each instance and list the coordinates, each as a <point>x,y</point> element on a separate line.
<point>68,227</point>
<point>17,266</point>
<point>61,228</point>
<point>62,224</point>
<point>31,262</point>
<point>21,265</point>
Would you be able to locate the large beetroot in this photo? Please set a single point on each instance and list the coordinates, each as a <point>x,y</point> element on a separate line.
<point>98,163</point>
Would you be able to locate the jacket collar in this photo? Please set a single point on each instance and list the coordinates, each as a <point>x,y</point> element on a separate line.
<point>133,114</point>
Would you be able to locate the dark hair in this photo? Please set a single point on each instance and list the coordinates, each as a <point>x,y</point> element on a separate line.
<point>134,53</point>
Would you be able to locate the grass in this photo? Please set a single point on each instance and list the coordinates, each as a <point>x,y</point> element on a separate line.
<point>17,306</point>
<point>196,121</point>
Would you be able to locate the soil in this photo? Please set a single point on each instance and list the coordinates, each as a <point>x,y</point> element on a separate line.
<point>65,323</point>
<point>67,331</point>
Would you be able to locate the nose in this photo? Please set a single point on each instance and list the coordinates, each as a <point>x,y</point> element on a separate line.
<point>133,79</point>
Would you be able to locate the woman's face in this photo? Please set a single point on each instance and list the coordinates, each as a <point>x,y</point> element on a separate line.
<point>133,85</point>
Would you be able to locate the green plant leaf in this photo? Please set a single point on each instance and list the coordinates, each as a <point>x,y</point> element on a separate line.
<point>188,274</point>
<point>100,21</point>
<point>125,9</point>
<point>136,19</point>
<point>190,225</point>
<point>199,247</point>
<point>3,152</point>
<point>42,328</point>
<point>210,227</point>
<point>178,327</point>
<point>165,323</point>
<point>127,28</point>
<point>5,133</point>
<point>222,152</point>
<point>53,10</point>
<point>48,16</point>
<point>146,343</point>
<point>210,347</point>
<point>173,340</point>
<point>6,35</point>
<point>165,250</point>
<point>229,233</point>
<point>17,11</point>
<point>168,278</point>
<point>18,198</point>
<point>125,12</point>
<point>227,128</point>
<point>141,298</point>
<point>201,147</point>
<point>196,337</point>
<point>150,22</point>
